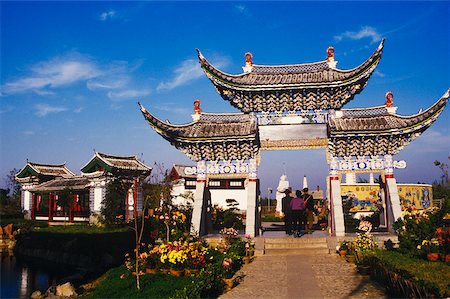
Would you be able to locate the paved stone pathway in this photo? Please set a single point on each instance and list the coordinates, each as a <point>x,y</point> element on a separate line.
<point>303,276</point>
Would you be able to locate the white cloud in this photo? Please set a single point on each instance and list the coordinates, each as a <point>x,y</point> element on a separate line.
<point>243,10</point>
<point>433,141</point>
<point>107,15</point>
<point>57,72</point>
<point>379,74</point>
<point>364,32</point>
<point>189,70</point>
<point>130,94</point>
<point>78,110</point>
<point>44,109</point>
<point>28,133</point>
<point>173,108</point>
<point>106,83</point>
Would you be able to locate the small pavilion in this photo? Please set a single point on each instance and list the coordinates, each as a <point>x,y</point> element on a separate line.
<point>42,184</point>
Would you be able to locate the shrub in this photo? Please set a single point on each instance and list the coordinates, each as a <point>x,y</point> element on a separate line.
<point>417,226</point>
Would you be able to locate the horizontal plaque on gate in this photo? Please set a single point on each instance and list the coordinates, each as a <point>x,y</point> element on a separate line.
<point>349,165</point>
<point>234,167</point>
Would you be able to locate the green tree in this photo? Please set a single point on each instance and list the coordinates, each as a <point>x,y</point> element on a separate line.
<point>65,200</point>
<point>113,206</point>
<point>444,168</point>
<point>10,204</point>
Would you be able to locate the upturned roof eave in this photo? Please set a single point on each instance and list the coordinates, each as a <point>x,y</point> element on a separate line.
<point>36,172</point>
<point>428,117</point>
<point>366,68</point>
<point>172,132</point>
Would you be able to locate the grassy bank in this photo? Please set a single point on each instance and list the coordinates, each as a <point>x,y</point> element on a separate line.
<point>433,276</point>
<point>152,285</point>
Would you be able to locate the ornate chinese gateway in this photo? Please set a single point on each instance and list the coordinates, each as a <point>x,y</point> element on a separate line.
<point>296,107</point>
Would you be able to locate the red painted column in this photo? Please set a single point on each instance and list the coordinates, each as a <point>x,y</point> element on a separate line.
<point>50,207</point>
<point>33,206</point>
<point>126,207</point>
<point>135,197</point>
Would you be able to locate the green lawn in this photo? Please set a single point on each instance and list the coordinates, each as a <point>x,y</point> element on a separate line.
<point>434,275</point>
<point>152,285</point>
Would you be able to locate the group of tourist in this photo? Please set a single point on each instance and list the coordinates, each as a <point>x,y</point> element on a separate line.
<point>298,209</point>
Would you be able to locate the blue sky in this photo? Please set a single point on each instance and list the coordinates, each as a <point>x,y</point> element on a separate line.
<point>72,72</point>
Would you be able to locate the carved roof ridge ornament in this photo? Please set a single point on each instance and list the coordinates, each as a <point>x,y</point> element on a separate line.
<point>330,58</point>
<point>197,110</point>
<point>292,87</point>
<point>248,62</point>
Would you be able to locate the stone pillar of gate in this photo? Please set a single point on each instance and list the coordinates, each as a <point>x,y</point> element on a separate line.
<point>198,214</point>
<point>252,221</point>
<point>26,200</point>
<point>336,211</point>
<point>393,207</point>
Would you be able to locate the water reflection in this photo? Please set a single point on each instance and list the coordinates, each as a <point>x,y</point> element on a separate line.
<point>19,278</point>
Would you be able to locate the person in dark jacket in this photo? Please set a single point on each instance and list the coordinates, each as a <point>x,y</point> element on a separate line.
<point>309,204</point>
<point>286,209</point>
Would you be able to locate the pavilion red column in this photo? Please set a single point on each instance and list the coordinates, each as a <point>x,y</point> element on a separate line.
<point>33,206</point>
<point>50,206</point>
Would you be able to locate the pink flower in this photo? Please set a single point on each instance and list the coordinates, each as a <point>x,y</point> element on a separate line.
<point>227,262</point>
<point>122,276</point>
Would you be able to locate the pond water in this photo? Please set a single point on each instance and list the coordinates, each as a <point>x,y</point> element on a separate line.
<point>19,277</point>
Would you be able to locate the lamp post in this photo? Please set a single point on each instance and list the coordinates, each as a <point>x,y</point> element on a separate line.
<point>269,192</point>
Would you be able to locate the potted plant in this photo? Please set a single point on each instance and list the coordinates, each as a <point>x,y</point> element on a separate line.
<point>431,248</point>
<point>196,257</point>
<point>249,249</point>
<point>363,263</point>
<point>152,262</point>
<point>227,272</point>
<point>343,248</point>
<point>350,257</point>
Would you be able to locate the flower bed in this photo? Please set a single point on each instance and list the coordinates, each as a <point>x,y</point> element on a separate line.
<point>208,267</point>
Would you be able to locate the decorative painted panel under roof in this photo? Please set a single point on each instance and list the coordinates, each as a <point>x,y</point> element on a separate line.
<point>264,88</point>
<point>114,163</point>
<point>58,184</point>
<point>375,131</point>
<point>212,137</point>
<point>39,170</point>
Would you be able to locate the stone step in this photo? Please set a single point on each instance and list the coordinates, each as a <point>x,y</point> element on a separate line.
<point>304,251</point>
<point>304,239</point>
<point>296,245</point>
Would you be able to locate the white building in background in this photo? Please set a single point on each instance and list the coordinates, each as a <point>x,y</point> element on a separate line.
<point>221,187</point>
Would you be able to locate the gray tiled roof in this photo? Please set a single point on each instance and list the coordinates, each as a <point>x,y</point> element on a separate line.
<point>291,87</point>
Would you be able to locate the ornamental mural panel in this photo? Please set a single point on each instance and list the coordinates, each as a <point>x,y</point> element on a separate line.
<point>364,197</point>
<point>415,196</point>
